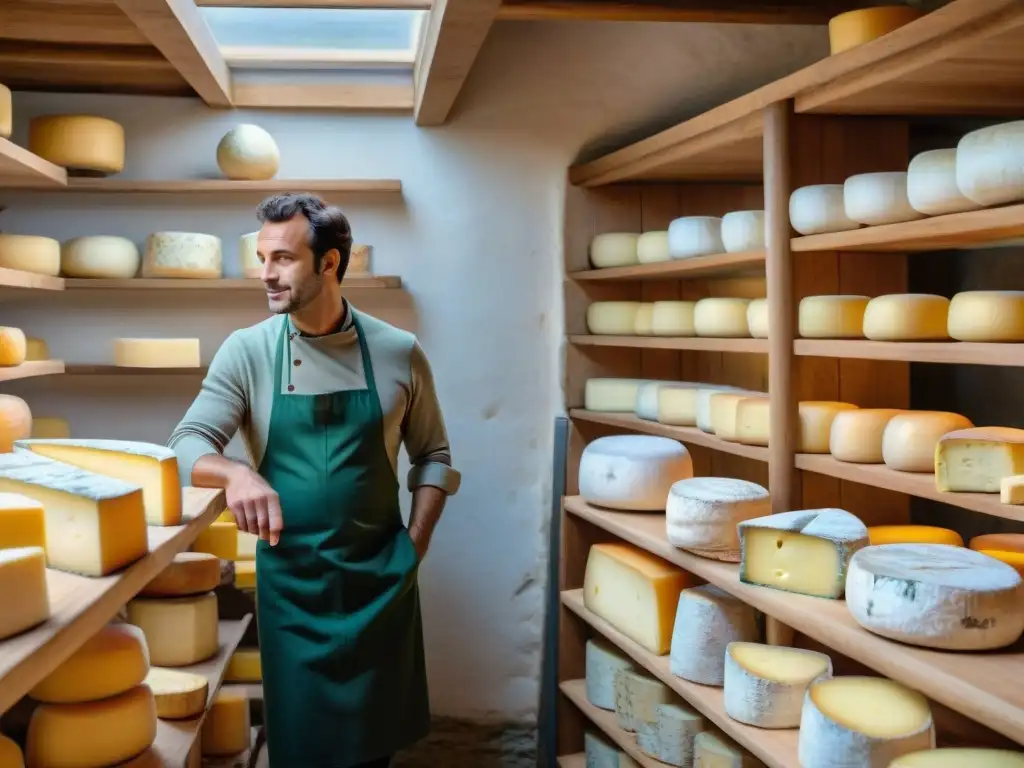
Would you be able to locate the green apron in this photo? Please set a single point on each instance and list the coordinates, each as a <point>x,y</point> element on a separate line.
<point>340,632</point>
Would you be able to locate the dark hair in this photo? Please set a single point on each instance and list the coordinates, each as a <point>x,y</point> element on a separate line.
<point>328,226</point>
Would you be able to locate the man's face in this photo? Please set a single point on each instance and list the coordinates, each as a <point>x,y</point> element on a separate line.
<point>288,273</point>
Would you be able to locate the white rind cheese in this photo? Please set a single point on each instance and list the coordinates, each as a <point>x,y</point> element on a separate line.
<point>691,236</point>
<point>818,208</point>
<point>182,255</point>
<point>670,737</point>
<point>721,318</point>
<point>936,596</point>
<point>30,253</point>
<point>708,619</point>
<point>636,696</point>
<point>990,164</point>
<point>743,231</point>
<point>702,514</point>
<point>931,184</point>
<point>987,316</point>
<point>100,256</point>
<point>647,400</point>
<point>612,318</point>
<point>603,661</point>
<point>614,249</point>
<point>878,198</point>
<point>608,395</point>
<point>632,472</point>
<point>247,152</point>
<point>652,247</point>
<point>600,752</point>
<point>765,684</point>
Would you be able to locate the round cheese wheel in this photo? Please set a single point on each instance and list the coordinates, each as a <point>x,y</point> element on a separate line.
<point>30,253</point>
<point>677,404</point>
<point>721,318</point>
<point>99,256</point>
<point>647,400</point>
<point>913,534</point>
<point>1013,559</point>
<point>725,412</point>
<point>189,573</point>
<point>643,325</point>
<point>878,198</point>
<point>990,164</point>
<point>614,249</point>
<point>180,631</point>
<point>992,316</point>
<point>79,143</point>
<point>702,514</point>
<point>743,231</point>
<point>247,152</point>
<point>178,695</point>
<point>832,317</point>
<point>10,753</point>
<point>652,247</point>
<point>853,28</point>
<point>248,256</point>
<point>960,757</point>
<point>182,254</point>
<point>673,318</point>
<point>1006,542</point>
<point>705,399</point>
<point>695,236</point>
<point>13,346</point>
<point>816,417</point>
<point>856,434</point>
<point>632,472</point>
<point>612,318</point>
<point>907,317</point>
<point>611,395</point>
<point>818,208</point>
<point>909,439</point>
<point>15,421</point>
<point>757,318</point>
<point>6,114</point>
<point>36,349</point>
<point>765,684</point>
<point>931,184</point>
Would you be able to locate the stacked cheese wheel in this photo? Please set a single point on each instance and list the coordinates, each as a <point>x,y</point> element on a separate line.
<point>224,540</point>
<point>717,317</point>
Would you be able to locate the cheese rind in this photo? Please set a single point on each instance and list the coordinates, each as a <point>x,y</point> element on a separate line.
<point>757,318</point>
<point>189,573</point>
<point>907,317</point>
<point>703,403</point>
<point>743,231</point>
<point>614,249</point>
<point>647,400</point>
<point>636,696</point>
<point>612,318</point>
<point>673,318</point>
<point>987,316</point>
<point>78,142</point>
<point>702,513</point>
<point>878,198</point>
<point>22,522</point>
<point>30,253</point>
<point>976,460</point>
<point>816,419</point>
<point>931,184</point>
<point>247,152</point>
<point>1005,542</point>
<point>1011,490</point>
<point>721,318</point>
<point>156,353</point>
<point>632,472</point>
<point>11,755</point>
<point>610,395</point>
<point>765,684</point>
<point>708,619</point>
<point>691,236</point>
<point>818,208</point>
<point>725,412</point>
<point>23,584</point>
<point>853,28</point>
<point>990,164</point>
<point>603,661</point>
<point>100,256</point>
<point>652,247</point>
<point>832,317</point>
<point>178,695</point>
<point>15,421</point>
<point>182,255</point>
<point>913,534</point>
<point>856,435</point>
<point>670,737</point>
<point>246,547</point>
<point>753,421</point>
<point>180,631</point>
<point>600,753</point>
<point>226,730</point>
<point>960,757</point>
<point>909,439</point>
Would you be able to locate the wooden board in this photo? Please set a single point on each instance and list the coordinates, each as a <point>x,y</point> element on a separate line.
<point>961,352</point>
<point>222,284</point>
<point>32,368</point>
<point>21,168</point>
<point>746,262</point>
<point>752,346</point>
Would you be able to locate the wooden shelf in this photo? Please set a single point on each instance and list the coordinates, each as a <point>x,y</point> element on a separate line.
<point>698,266</point>
<point>32,368</point>
<point>697,344</point>
<point>983,687</point>
<point>20,280</point>
<point>224,186</point>
<point>954,352</point>
<point>691,435</point>
<point>777,748</point>
<point>578,760</point>
<point>102,369</point>
<point>223,284</point>
<point>21,168</point>
<point>81,605</point>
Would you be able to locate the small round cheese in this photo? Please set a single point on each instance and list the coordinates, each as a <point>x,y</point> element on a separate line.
<point>721,318</point>
<point>913,534</point>
<point>36,349</point>
<point>13,346</point>
<point>818,208</point>
<point>878,198</point>
<point>78,142</point>
<point>765,685</point>
<point>987,316</point>
<point>1006,542</point>
<point>832,317</point>
<point>707,620</point>
<point>816,418</point>
<point>695,236</point>
<point>612,318</point>
<point>935,596</point>
<point>610,395</point>
<point>30,253</point>
<point>178,695</point>
<point>907,317</point>
<point>182,254</point>
<point>673,318</point>
<point>743,231</point>
<point>909,439</point>
<point>931,184</point>
<point>15,421</point>
<point>247,152</point>
<point>702,513</point>
<point>602,661</point>
<point>644,323</point>
<point>853,28</point>
<point>614,249</point>
<point>652,247</point>
<point>632,472</point>
<point>856,434</point>
<point>960,757</point>
<point>248,255</point>
<point>189,573</point>
<point>990,164</point>
<point>101,256</point>
<point>757,318</point>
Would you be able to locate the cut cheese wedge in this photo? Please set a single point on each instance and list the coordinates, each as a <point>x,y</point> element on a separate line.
<point>913,534</point>
<point>702,513</point>
<point>603,661</point>
<point>179,630</point>
<point>23,585</point>
<point>669,738</point>
<point>22,522</point>
<point>179,695</point>
<point>152,467</point>
<point>765,684</point>
<point>636,696</point>
<point>1011,490</point>
<point>219,540</point>
<point>708,619</point>
<point>960,757</point>
<point>189,573</point>
<point>976,460</point>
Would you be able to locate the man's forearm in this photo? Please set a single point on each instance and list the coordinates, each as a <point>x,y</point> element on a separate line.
<point>427,504</point>
<point>215,471</point>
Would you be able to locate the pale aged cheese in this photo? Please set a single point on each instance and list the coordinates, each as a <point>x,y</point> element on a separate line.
<point>818,208</point>
<point>13,347</point>
<point>10,753</point>
<point>602,661</point>
<point>804,551</point>
<point>6,112</point>
<point>1007,542</point>
<point>644,324</point>
<point>112,661</point>
<point>182,254</point>
<point>246,667</point>
<point>907,317</point>
<point>647,399</point>
<point>936,596</point>
<point>909,439</point>
<point>95,524</point>
<point>22,522</point>
<point>248,256</point>
<point>704,396</point>
<point>832,317</point>
<point>189,573</point>
<point>218,539</point>
<point>15,421</point>
<point>976,460</point>
<point>78,142</point>
<point>990,164</point>
<point>104,256</point>
<point>30,253</point>
<point>1011,490</point>
<point>632,472</point>
<point>612,318</point>
<point>677,404</point>
<point>600,752</point>
<point>226,730</point>
<point>246,546</point>
<point>702,513</point>
<point>614,249</point>
<point>857,434</point>
<point>757,318</point>
<point>753,421</point>
<point>695,236</point>
<point>179,695</point>
<point>743,231</point>
<point>673,318</point>
<point>707,620</point>
<point>853,28</point>
<point>816,419</point>
<point>987,316</point>
<point>716,750</point>
<point>725,412</point>
<point>634,591</point>
<point>636,696</point>
<point>36,349</point>
<point>50,427</point>
<point>608,395</point>
<point>94,733</point>
<point>245,575</point>
<point>765,684</point>
<point>960,757</point>
<point>652,247</point>
<point>23,585</point>
<point>721,318</point>
<point>878,198</point>
<point>669,737</point>
<point>913,534</point>
<point>247,152</point>
<point>156,353</point>
<point>931,184</point>
<point>153,467</point>
<point>862,722</point>
<point>179,630</point>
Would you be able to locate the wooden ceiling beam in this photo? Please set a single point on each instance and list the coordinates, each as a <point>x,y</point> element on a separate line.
<point>261,93</point>
<point>708,11</point>
<point>71,24</point>
<point>387,5</point>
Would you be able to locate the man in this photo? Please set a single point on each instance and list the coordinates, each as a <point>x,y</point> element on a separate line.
<point>324,396</point>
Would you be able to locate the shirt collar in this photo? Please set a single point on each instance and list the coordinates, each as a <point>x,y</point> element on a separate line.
<point>344,325</point>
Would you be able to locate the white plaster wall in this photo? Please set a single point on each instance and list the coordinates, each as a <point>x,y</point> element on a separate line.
<point>477,241</point>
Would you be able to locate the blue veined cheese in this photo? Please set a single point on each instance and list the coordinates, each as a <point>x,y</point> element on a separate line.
<point>182,255</point>
<point>708,619</point>
<point>765,684</point>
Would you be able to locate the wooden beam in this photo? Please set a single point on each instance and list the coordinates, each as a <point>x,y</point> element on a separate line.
<point>73,24</point>
<point>275,94</point>
<point>709,11</point>
<point>455,31</point>
<point>177,29</point>
<point>276,58</point>
<point>391,5</point>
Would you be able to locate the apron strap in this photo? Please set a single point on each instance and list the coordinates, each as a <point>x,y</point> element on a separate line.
<point>284,347</point>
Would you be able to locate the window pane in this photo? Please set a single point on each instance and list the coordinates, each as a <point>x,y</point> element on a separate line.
<point>339,28</point>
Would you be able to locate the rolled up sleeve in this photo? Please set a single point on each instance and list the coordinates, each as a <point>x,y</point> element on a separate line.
<point>424,433</point>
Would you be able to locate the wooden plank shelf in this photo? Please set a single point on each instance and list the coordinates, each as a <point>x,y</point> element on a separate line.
<point>21,168</point>
<point>226,186</point>
<point>102,369</point>
<point>222,284</point>
<point>80,605</point>
<point>777,748</point>
<point>697,266</point>
<point>694,343</point>
<point>19,280</point>
<point>983,687</point>
<point>691,435</point>
<point>578,760</point>
<point>951,352</point>
<point>32,368</point>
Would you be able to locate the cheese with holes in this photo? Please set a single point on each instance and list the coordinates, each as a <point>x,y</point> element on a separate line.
<point>669,737</point>
<point>614,249</point>
<point>632,472</point>
<point>690,236</point>
<point>226,730</point>
<point>707,620</point>
<point>245,574</point>
<point>178,695</point>
<point>603,661</point>
<point>10,753</point>
<point>652,247</point>
<point>857,434</point>
<point>182,255</point>
<point>6,116</point>
<point>712,749</point>
<point>743,231</point>
<point>907,317</point>
<point>100,256</point>
<point>765,684</point>
<point>1006,542</point>
<point>909,439</point>
<point>637,693</point>
<point>30,253</point>
<point>806,551</point>
<point>913,534</point>
<point>644,319</point>
<point>960,757</point>
<point>152,467</point>
<point>635,592</point>
<point>862,722</point>
<point>111,662</point>
<point>878,198</point>
<point>757,318</point>
<point>818,208</point>
<point>246,666</point>
<point>677,404</point>
<point>721,318</point>
<point>608,395</point>
<point>816,419</point>
<point>218,539</point>
<point>599,752</point>
<point>156,353</point>
<point>753,421</point>
<point>15,421</point>
<point>725,412</point>
<point>95,524</point>
<point>36,349</point>
<point>612,318</point>
<point>931,184</point>
<point>246,548</point>
<point>936,596</point>
<point>23,584</point>
<point>853,28</point>
<point>78,142</point>
<point>248,153</point>
<point>704,396</point>
<point>673,318</point>
<point>832,317</point>
<point>976,460</point>
<point>13,347</point>
<point>189,573</point>
<point>702,514</point>
<point>22,522</point>
<point>1011,490</point>
<point>45,427</point>
<point>987,316</point>
<point>990,164</point>
<point>180,631</point>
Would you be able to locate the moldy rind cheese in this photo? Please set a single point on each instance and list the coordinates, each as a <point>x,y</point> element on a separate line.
<point>765,684</point>
<point>182,255</point>
<point>603,661</point>
<point>708,619</point>
<point>702,514</point>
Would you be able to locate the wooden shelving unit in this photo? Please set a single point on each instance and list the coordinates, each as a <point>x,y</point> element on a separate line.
<point>20,168</point>
<point>32,368</point>
<point>223,284</point>
<point>117,185</point>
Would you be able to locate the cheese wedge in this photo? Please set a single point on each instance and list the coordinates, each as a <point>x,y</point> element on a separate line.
<point>180,631</point>
<point>23,585</point>
<point>765,684</point>
<point>218,539</point>
<point>245,574</point>
<point>960,757</point>
<point>636,696</point>
<point>976,460</point>
<point>179,695</point>
<point>708,619</point>
<point>603,661</point>
<point>22,522</point>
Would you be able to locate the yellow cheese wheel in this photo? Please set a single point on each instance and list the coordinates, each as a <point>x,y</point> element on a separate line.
<point>907,317</point>
<point>913,534</point>
<point>179,695</point>
<point>832,317</point>
<point>10,753</point>
<point>13,346</point>
<point>853,28</point>
<point>1004,542</point>
<point>15,421</point>
<point>30,253</point>
<point>857,435</point>
<point>36,349</point>
<point>987,316</point>
<point>816,417</point>
<point>189,573</point>
<point>1015,559</point>
<point>78,142</point>
<point>100,256</point>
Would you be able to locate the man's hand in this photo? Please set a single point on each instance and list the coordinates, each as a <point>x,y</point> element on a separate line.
<point>255,505</point>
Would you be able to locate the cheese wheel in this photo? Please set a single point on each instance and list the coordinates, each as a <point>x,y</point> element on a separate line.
<point>79,143</point>
<point>246,665</point>
<point>632,472</point>
<point>977,460</point>
<point>987,316</point>
<point>725,412</point>
<point>15,421</point>
<point>703,403</point>
<point>816,419</point>
<point>765,685</point>
<point>818,208</point>
<point>702,513</point>
<point>652,247</point>
<point>1005,542</point>
<point>180,631</point>
<point>603,661</point>
<point>753,421</point>
<point>853,28</point>
<point>182,255</point>
<point>990,164</point>
<point>673,318</point>
<point>614,249</point>
<point>6,114</point>
<point>909,439</point>
<point>907,317</point>
<point>920,594</point>
<point>832,317</point>
<point>708,619</point>
<point>695,236</point>
<point>49,428</point>
<point>10,753</point>
<point>13,346</point>
<point>931,184</point>
<point>599,752</point>
<point>677,404</point>
<point>227,730</point>
<point>248,153</point>
<point>26,594</point>
<point>178,695</point>
<point>156,353</point>
<point>878,198</point>
<point>102,256</point>
<point>743,231</point>
<point>721,318</point>
<point>643,325</point>
<point>648,396</point>
<point>609,395</point>
<point>29,253</point>
<point>612,318</point>
<point>1013,559</point>
<point>36,349</point>
<point>189,573</point>
<point>960,757</point>
<point>757,318</point>
<point>856,435</point>
<point>248,256</point>
<point>913,534</point>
